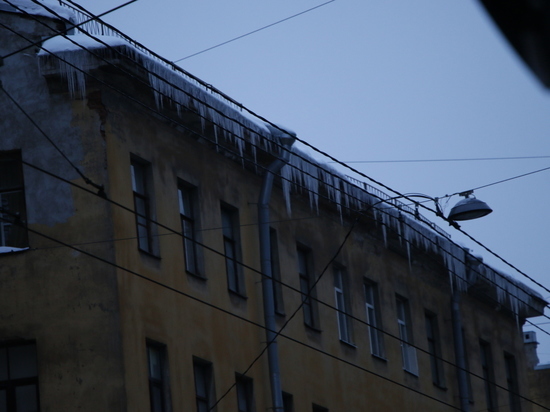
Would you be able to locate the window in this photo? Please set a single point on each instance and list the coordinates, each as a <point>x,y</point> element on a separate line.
<point>512,382</point>
<point>467,366</point>
<point>12,201</point>
<point>408,351</point>
<point>288,402</point>
<point>488,375</point>
<point>204,384</point>
<point>317,408</point>
<point>140,171</point>
<point>245,394</point>
<point>434,349</point>
<point>232,250</point>
<point>187,196</point>
<point>158,377</point>
<point>19,378</point>
<point>373,319</point>
<point>307,289</point>
<point>342,304</point>
<point>276,273</point>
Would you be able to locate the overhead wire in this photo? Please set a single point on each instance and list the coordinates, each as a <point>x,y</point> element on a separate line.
<point>253,31</point>
<point>470,159</point>
<point>68,28</point>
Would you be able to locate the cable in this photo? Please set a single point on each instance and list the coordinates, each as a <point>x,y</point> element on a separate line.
<point>511,178</point>
<point>254,31</point>
<point>445,160</point>
<point>86,179</point>
<point>70,27</point>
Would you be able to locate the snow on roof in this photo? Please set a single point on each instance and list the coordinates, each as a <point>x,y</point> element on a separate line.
<point>61,44</point>
<point>28,6</point>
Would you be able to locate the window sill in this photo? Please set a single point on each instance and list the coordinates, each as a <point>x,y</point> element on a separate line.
<point>237,294</point>
<point>197,276</point>
<point>379,358</point>
<point>312,328</point>
<point>411,373</point>
<point>348,344</point>
<point>440,386</point>
<point>149,254</point>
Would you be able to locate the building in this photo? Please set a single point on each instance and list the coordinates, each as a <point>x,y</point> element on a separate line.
<point>133,273</point>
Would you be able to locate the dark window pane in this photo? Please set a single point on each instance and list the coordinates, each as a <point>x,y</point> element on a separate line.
<point>3,364</point>
<point>3,401</point>
<point>26,398</point>
<point>22,361</point>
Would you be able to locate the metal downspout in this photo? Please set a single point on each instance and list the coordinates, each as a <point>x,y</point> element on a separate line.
<point>460,355</point>
<point>267,279</point>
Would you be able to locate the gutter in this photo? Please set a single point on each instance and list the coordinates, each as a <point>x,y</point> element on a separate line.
<point>286,140</point>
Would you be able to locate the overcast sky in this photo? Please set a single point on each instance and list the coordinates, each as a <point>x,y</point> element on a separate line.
<point>378,81</point>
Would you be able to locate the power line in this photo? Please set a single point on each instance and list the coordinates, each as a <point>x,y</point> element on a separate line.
<point>253,31</point>
<point>473,159</point>
<point>69,27</point>
<point>81,174</point>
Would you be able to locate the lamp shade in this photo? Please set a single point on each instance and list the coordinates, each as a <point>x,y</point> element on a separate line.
<point>468,209</point>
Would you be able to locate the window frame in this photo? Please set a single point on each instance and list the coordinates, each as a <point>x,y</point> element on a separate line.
<point>158,384</point>
<point>488,373</point>
<point>318,408</point>
<point>244,386</point>
<point>434,349</point>
<point>512,382</point>
<point>232,249</point>
<point>307,287</point>
<point>201,366</point>
<point>13,219</point>
<point>408,351</point>
<point>10,382</point>
<point>374,319</point>
<point>142,195</point>
<point>288,402</point>
<point>190,228</point>
<point>342,303</point>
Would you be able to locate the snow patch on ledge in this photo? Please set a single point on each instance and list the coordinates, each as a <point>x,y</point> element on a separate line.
<point>29,7</point>
<point>11,249</point>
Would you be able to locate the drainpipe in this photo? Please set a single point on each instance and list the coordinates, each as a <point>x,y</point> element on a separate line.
<point>286,140</point>
<point>460,355</point>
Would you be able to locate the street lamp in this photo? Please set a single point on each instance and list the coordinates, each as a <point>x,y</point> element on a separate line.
<point>469,208</point>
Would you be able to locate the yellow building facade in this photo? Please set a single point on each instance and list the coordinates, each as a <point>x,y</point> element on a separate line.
<point>132,279</point>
